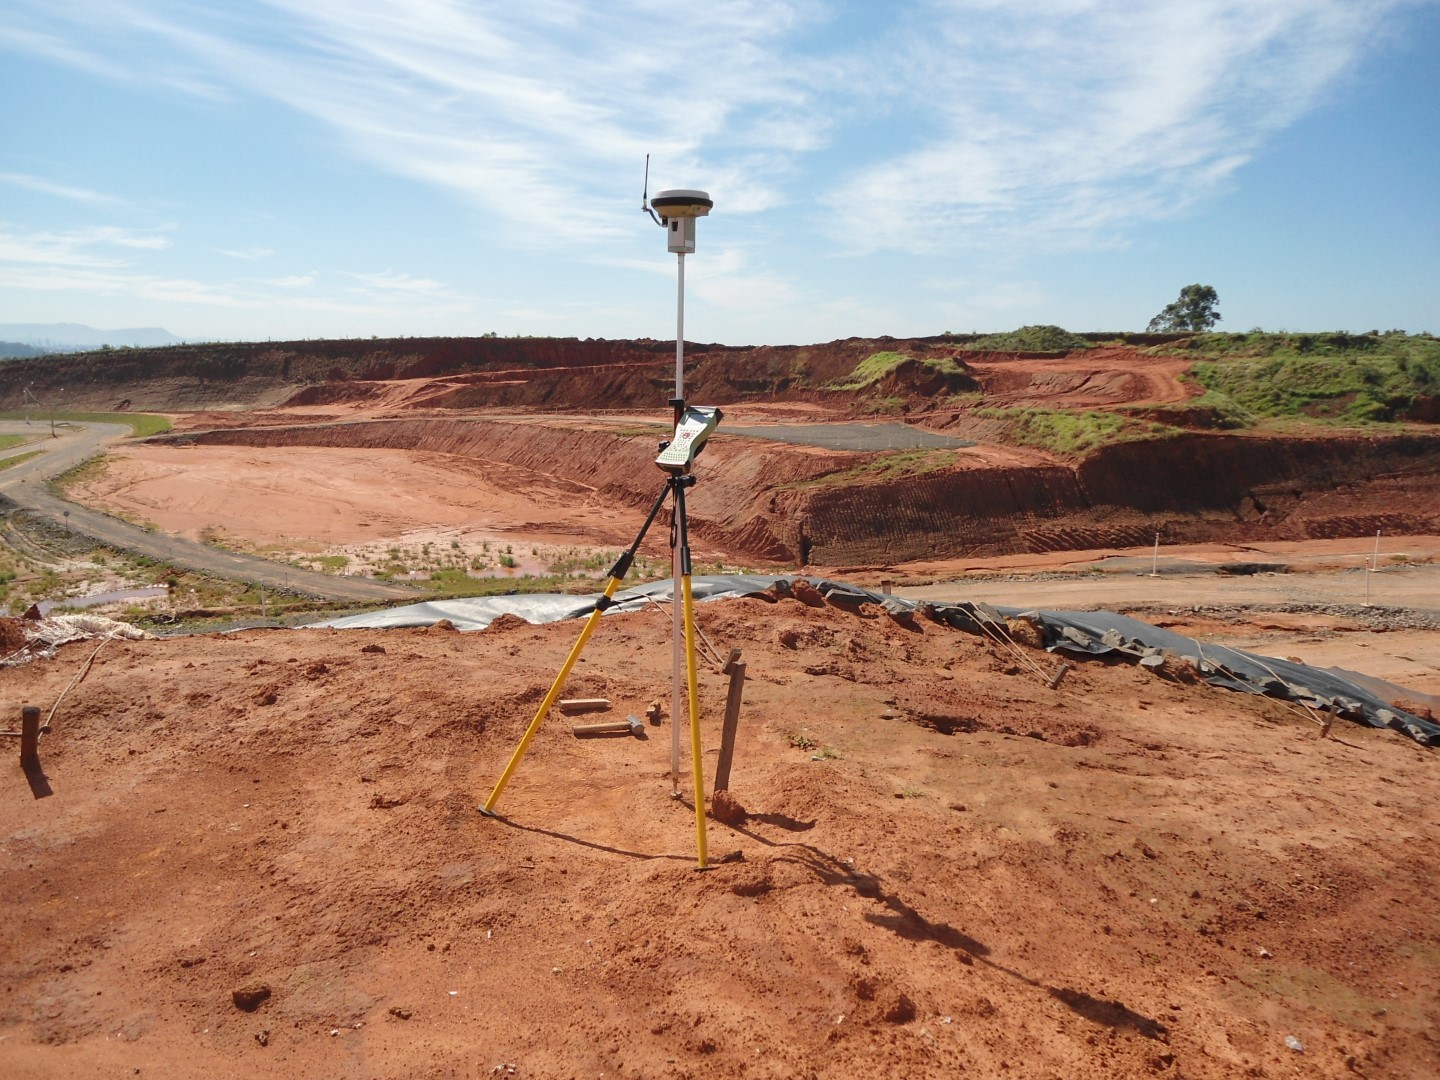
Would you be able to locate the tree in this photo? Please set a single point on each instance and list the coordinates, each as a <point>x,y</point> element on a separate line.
<point>1195,311</point>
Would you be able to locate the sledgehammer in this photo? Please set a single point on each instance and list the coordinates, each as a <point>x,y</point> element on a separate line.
<point>629,726</point>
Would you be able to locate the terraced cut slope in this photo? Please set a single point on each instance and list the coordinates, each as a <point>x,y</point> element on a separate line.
<point>1087,449</point>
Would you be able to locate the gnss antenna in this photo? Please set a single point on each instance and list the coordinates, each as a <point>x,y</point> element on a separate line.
<point>678,208</point>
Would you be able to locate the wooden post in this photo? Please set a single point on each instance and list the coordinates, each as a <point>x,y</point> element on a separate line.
<point>29,736</point>
<point>732,721</point>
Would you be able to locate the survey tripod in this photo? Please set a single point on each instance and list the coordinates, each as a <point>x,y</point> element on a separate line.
<point>692,428</point>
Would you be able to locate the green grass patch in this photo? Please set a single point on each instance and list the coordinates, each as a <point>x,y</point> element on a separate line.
<point>1338,378</point>
<point>330,564</point>
<point>1072,432</point>
<point>18,458</point>
<point>87,471</point>
<point>885,468</point>
<point>877,365</point>
<point>9,441</point>
<point>141,424</point>
<point>886,406</point>
<point>1031,339</point>
<point>647,431</point>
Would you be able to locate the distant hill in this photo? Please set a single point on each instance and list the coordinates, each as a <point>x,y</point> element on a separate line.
<point>14,350</point>
<point>73,337</point>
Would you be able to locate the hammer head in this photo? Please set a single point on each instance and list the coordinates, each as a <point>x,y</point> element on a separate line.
<point>636,727</point>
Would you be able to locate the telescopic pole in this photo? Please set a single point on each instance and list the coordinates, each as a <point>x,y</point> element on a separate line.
<point>680,340</point>
<point>677,572</point>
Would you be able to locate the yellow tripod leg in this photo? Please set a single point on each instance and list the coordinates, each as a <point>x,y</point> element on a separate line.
<point>556,687</point>
<point>693,686</point>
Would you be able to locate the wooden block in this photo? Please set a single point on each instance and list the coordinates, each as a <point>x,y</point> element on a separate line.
<point>584,705</point>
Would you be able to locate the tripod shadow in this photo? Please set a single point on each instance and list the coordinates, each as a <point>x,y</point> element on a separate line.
<point>781,821</point>
<point>906,922</point>
<point>592,845</point>
<point>900,918</point>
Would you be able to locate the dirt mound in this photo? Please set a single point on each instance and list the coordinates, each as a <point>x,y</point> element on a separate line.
<point>12,636</point>
<point>944,866</point>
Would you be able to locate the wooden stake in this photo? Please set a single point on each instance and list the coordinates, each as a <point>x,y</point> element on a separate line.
<point>579,705</point>
<point>732,723</point>
<point>29,736</point>
<point>1054,682</point>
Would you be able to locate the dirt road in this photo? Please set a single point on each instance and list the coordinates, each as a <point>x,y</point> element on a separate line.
<point>27,484</point>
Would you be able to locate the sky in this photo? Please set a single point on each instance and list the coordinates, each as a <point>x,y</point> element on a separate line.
<point>285,169</point>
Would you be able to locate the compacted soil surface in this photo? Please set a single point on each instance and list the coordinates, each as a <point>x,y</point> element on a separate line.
<point>259,854</point>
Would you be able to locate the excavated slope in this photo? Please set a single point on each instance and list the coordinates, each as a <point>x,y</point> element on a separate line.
<point>550,372</point>
<point>765,501</point>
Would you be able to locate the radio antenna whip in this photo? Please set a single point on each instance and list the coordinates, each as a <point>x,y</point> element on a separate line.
<point>645,195</point>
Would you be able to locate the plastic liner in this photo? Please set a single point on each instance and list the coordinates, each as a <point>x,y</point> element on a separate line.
<point>1089,632</point>
<point>476,613</point>
<point>1100,632</point>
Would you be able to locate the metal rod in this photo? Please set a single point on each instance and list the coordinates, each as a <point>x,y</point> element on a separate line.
<point>680,336</point>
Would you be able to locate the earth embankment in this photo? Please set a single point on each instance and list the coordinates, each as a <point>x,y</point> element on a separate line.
<point>1191,489</point>
<point>466,373</point>
<point>766,501</point>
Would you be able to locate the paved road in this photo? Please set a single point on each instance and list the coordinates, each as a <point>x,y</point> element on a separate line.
<point>27,484</point>
<point>850,436</point>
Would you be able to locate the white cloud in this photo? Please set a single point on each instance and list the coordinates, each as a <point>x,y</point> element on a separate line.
<point>913,126</point>
<point>249,254</point>
<point>540,114</point>
<point>389,281</point>
<point>128,238</point>
<point>50,187</point>
<point>75,247</point>
<point>56,47</point>
<point>1056,123</point>
<point>113,281</point>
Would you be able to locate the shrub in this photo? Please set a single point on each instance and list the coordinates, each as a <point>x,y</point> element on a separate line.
<point>1031,339</point>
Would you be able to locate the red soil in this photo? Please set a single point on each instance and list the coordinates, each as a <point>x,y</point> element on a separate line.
<point>944,867</point>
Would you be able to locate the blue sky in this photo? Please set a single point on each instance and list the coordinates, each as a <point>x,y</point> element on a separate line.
<point>239,169</point>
